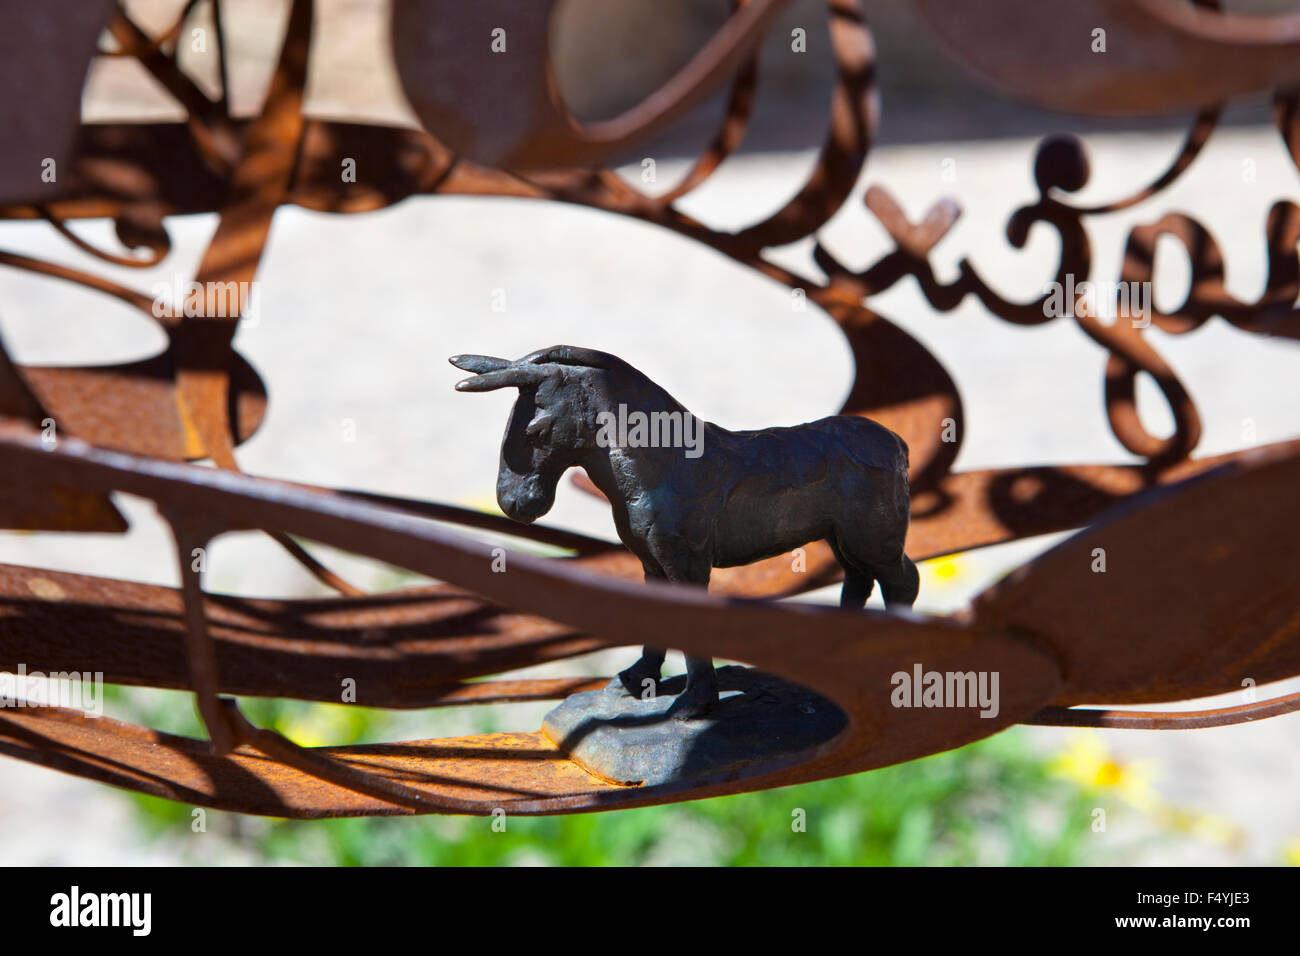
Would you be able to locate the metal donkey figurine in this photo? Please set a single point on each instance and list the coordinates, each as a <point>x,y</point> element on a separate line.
<point>726,499</point>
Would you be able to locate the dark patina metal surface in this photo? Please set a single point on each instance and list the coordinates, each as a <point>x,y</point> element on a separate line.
<point>688,496</point>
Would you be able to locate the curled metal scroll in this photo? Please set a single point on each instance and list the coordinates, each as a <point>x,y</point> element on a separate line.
<point>1117,57</point>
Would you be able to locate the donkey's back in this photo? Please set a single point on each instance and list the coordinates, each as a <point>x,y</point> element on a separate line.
<point>842,479</point>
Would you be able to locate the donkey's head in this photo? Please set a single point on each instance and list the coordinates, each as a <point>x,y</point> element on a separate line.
<point>550,427</point>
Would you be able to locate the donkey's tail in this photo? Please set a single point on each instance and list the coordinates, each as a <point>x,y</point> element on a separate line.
<point>900,592</point>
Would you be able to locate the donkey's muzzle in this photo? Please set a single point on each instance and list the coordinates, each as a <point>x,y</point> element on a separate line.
<point>525,502</point>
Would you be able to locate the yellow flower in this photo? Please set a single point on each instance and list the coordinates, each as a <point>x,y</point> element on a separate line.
<point>1291,852</point>
<point>945,569</point>
<point>1086,761</point>
<point>305,732</point>
<point>1203,826</point>
<point>321,725</point>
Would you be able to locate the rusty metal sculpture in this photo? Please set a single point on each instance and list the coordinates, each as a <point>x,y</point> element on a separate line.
<point>689,496</point>
<point>1216,600</point>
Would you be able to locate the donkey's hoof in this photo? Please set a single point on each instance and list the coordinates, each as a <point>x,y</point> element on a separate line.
<point>693,703</point>
<point>640,682</point>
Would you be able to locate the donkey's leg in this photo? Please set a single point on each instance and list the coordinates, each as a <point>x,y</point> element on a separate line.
<point>900,584</point>
<point>858,582</point>
<point>642,678</point>
<point>701,691</point>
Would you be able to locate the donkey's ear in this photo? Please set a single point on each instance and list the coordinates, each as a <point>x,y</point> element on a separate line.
<point>572,355</point>
<point>479,363</point>
<point>512,376</point>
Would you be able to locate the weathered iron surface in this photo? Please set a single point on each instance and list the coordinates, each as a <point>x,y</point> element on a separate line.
<point>44,51</point>
<point>849,657</point>
<point>504,110</point>
<point>1214,573</point>
<point>1190,603</point>
<point>1150,56</point>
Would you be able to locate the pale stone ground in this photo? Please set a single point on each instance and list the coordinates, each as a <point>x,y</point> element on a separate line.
<point>358,314</point>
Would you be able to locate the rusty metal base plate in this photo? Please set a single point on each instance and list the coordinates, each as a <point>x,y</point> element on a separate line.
<point>624,739</point>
